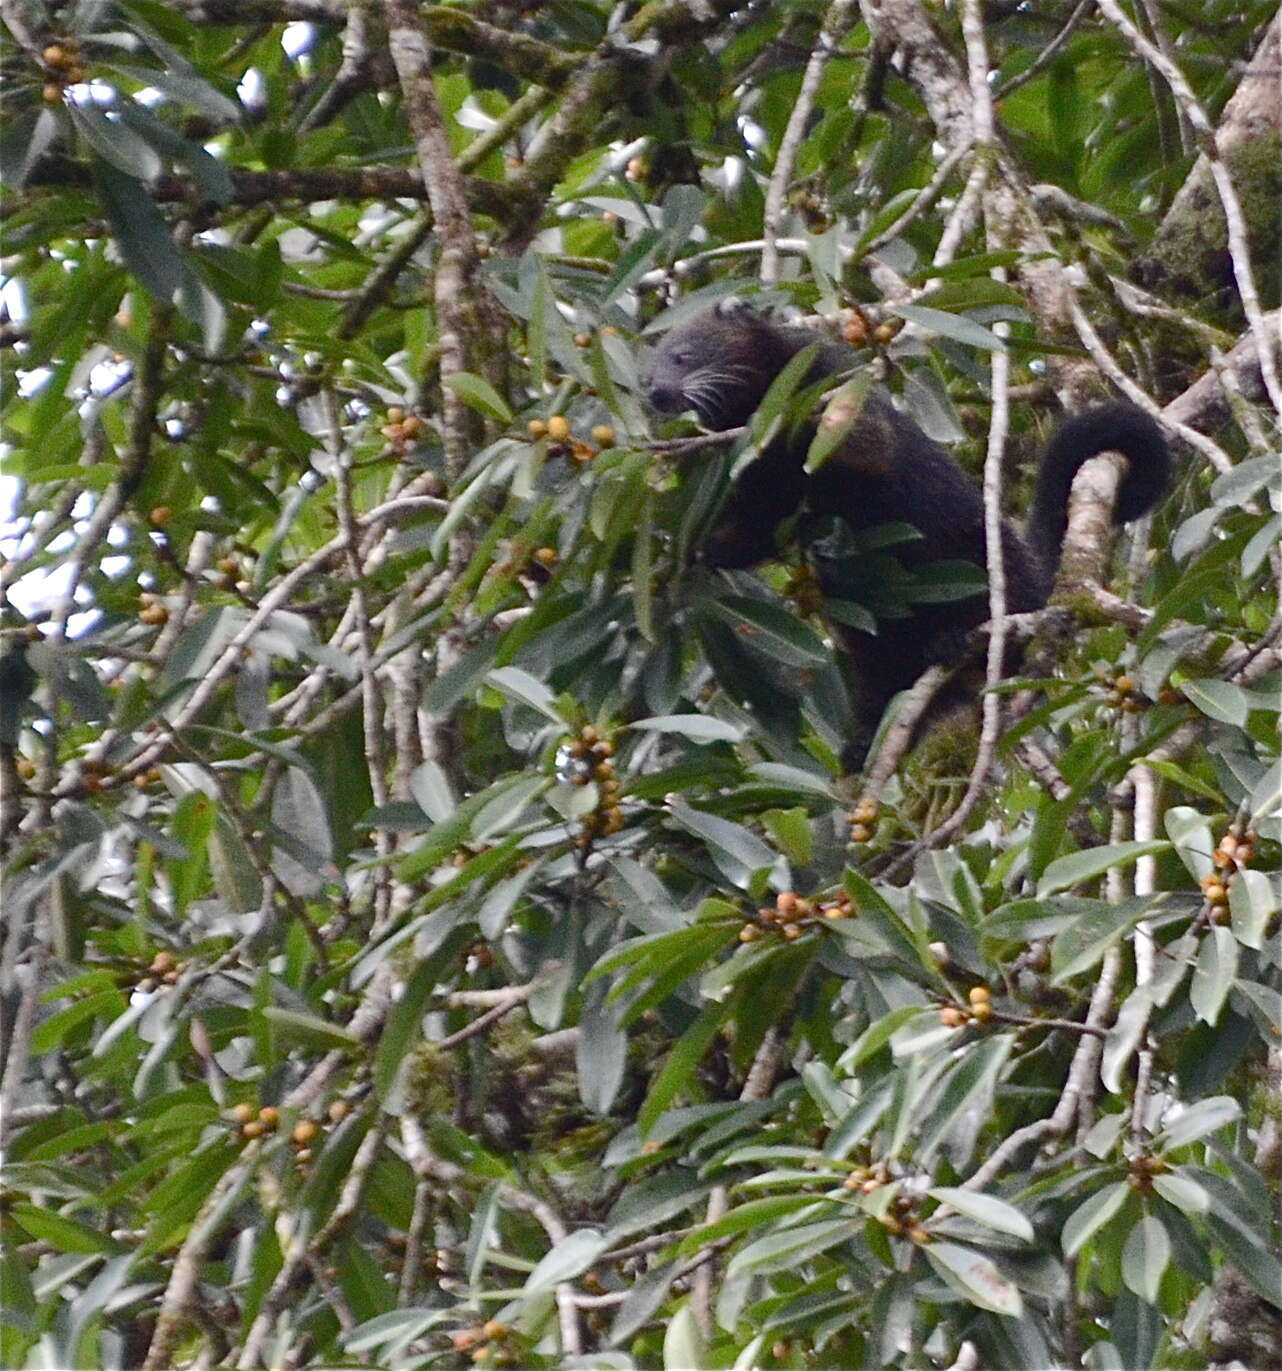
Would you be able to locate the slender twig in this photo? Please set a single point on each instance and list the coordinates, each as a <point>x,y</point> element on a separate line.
<point>836,22</point>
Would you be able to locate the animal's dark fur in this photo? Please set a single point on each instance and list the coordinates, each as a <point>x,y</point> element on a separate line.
<point>885,470</point>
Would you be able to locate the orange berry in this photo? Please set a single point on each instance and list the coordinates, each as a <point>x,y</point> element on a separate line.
<point>160,516</point>
<point>242,1112</point>
<point>558,428</point>
<point>603,435</point>
<point>536,428</point>
<point>304,1131</point>
<point>546,556</point>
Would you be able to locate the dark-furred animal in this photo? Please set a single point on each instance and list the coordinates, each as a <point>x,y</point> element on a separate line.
<point>885,470</point>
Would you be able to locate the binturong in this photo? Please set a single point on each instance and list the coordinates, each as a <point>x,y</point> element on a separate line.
<point>885,470</point>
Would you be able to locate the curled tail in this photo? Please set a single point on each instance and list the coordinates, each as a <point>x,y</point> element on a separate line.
<point>1110,428</point>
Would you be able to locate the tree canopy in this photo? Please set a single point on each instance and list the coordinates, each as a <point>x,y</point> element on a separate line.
<point>439,929</point>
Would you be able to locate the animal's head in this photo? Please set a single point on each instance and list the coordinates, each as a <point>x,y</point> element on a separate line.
<point>720,364</point>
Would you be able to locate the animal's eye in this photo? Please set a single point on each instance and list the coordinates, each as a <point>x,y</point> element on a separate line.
<point>681,357</point>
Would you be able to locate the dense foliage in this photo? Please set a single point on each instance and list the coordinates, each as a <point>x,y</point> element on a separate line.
<point>438,931</point>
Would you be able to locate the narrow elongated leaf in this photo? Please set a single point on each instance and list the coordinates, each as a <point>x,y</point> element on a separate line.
<point>1145,1257</point>
<point>1078,867</point>
<point>772,630</point>
<point>1089,1217</point>
<point>700,727</point>
<point>1213,973</point>
<point>954,326</point>
<point>1198,1121</point>
<point>733,839</point>
<point>683,1346</point>
<point>520,686</point>
<point>477,393</point>
<point>975,1278</point>
<point>569,1258</point>
<point>986,1209</point>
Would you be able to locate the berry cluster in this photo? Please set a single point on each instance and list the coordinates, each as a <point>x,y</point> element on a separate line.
<point>901,1217</point>
<point>164,970</point>
<point>489,1343</point>
<point>558,432</point>
<point>863,819</point>
<point>791,914</point>
<point>254,1123</point>
<point>979,1011</point>
<point>593,753</point>
<point>401,429</point>
<point>62,68</point>
<point>1233,854</point>
<point>1124,695</point>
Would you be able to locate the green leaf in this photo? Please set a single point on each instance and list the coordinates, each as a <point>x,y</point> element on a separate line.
<point>771,631</point>
<point>735,841</point>
<point>1221,700</point>
<point>569,1258</point>
<point>1145,1257</point>
<point>1190,834</point>
<point>1088,1218</point>
<point>308,1030</point>
<point>520,686</point>
<point>787,1248</point>
<point>144,238</point>
<point>1254,898</point>
<point>985,1209</point>
<point>700,727</point>
<point>1080,867</point>
<point>878,1034</point>
<point>743,1218</point>
<point>61,1233</point>
<point>683,1346</point>
<point>600,1054</point>
<point>1186,1195</point>
<point>954,326</point>
<point>840,415</point>
<point>1198,1121</point>
<point>116,144</point>
<point>477,393</point>
<point>1213,973</point>
<point>1079,946</point>
<point>403,1025</point>
<point>680,1066</point>
<point>975,1278</point>
<point>1239,485</point>
<point>781,390</point>
<point>970,1085</point>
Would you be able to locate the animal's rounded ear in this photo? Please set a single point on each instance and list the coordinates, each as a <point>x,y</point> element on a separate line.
<point>731,306</point>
